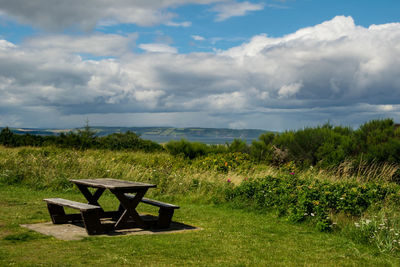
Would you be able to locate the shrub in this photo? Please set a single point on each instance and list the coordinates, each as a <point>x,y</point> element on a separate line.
<point>262,149</point>
<point>238,145</point>
<point>224,162</point>
<point>128,141</point>
<point>311,199</point>
<point>188,149</point>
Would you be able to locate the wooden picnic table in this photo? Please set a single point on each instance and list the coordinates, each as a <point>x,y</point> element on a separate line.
<point>119,188</point>
<point>129,194</point>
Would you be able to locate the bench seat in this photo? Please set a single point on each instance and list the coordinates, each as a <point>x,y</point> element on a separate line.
<point>89,214</point>
<point>165,212</point>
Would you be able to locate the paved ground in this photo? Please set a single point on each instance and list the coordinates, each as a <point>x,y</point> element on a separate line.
<point>70,231</point>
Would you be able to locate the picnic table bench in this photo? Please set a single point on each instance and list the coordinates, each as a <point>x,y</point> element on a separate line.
<point>129,194</point>
<point>90,214</point>
<point>165,212</point>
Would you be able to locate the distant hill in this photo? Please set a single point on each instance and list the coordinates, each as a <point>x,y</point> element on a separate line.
<point>163,134</point>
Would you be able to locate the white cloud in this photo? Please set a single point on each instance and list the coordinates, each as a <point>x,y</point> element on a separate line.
<point>198,38</point>
<point>288,90</point>
<point>335,70</point>
<point>179,24</point>
<point>60,14</point>
<point>4,45</point>
<point>158,48</point>
<point>235,9</point>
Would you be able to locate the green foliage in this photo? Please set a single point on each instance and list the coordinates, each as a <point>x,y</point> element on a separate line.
<point>382,231</point>
<point>82,139</point>
<point>128,141</point>
<point>311,199</point>
<point>238,145</point>
<point>310,146</point>
<point>187,149</point>
<point>262,149</point>
<point>224,162</point>
<point>378,140</point>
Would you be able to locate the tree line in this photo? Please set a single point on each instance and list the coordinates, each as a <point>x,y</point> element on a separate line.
<point>376,141</point>
<point>81,139</point>
<point>327,145</point>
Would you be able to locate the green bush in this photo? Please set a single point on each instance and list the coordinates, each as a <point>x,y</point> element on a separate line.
<point>82,139</point>
<point>127,141</point>
<point>224,162</point>
<point>187,149</point>
<point>311,199</point>
<point>238,145</point>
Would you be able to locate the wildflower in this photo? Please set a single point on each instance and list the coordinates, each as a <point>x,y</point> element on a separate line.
<point>315,202</point>
<point>312,214</point>
<point>229,180</point>
<point>305,214</point>
<point>356,224</point>
<point>226,164</point>
<point>367,221</point>
<point>292,173</point>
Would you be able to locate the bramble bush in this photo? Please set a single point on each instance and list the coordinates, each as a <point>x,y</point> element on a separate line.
<point>224,162</point>
<point>301,199</point>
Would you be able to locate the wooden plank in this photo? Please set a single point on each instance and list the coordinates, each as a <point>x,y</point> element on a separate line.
<point>110,183</point>
<point>154,202</point>
<point>159,203</point>
<point>71,204</point>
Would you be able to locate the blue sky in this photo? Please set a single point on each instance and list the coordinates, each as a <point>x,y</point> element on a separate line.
<point>271,65</point>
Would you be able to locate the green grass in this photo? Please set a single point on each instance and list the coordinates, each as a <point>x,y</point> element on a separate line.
<point>230,237</point>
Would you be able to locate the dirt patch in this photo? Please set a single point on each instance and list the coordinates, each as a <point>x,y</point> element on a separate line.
<point>76,231</point>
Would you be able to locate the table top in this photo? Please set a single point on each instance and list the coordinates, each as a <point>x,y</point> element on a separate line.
<point>110,183</point>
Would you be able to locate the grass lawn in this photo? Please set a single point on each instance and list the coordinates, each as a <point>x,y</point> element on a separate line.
<point>231,237</point>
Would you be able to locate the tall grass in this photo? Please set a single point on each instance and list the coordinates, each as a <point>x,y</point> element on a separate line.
<point>51,167</point>
<point>363,171</point>
<point>205,179</point>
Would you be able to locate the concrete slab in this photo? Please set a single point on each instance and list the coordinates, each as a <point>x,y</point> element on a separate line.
<point>76,231</point>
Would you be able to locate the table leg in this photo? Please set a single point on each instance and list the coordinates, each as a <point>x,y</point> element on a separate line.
<point>92,199</point>
<point>130,208</point>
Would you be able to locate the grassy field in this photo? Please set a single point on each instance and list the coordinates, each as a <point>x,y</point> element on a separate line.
<point>231,236</point>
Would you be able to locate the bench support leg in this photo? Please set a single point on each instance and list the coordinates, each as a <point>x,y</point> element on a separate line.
<point>91,219</point>
<point>57,213</point>
<point>164,217</point>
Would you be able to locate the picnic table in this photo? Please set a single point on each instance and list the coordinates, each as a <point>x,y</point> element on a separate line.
<point>129,195</point>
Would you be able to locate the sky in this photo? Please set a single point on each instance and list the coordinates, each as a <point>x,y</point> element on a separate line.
<point>273,64</point>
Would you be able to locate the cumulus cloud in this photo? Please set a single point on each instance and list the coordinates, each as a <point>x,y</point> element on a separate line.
<point>59,14</point>
<point>235,9</point>
<point>158,48</point>
<point>332,70</point>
